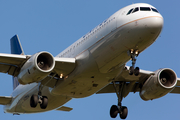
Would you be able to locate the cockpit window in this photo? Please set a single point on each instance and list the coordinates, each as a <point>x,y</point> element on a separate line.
<point>135,10</point>
<point>145,9</point>
<point>155,10</point>
<point>130,11</point>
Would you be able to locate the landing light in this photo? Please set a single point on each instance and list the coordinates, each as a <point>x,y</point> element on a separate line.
<point>61,75</point>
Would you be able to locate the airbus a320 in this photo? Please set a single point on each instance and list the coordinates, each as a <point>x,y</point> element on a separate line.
<point>96,63</point>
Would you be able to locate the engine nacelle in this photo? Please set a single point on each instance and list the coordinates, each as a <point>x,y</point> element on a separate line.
<point>36,68</point>
<point>158,85</point>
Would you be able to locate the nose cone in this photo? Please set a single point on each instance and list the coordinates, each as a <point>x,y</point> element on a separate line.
<point>155,23</point>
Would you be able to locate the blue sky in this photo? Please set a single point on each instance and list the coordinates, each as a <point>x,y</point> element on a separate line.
<point>54,25</point>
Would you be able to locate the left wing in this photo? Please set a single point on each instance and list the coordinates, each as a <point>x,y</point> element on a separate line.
<point>147,81</point>
<point>177,88</point>
<point>133,82</point>
<point>9,63</point>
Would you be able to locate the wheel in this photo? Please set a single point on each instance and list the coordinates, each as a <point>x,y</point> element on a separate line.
<point>136,71</point>
<point>124,112</point>
<point>131,70</point>
<point>34,101</point>
<point>44,103</point>
<point>114,111</point>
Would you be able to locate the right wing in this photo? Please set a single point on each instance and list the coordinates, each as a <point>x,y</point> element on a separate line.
<point>11,63</point>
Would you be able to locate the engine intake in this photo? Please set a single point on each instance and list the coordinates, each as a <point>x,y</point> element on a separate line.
<point>36,68</point>
<point>45,61</point>
<point>167,78</point>
<point>159,84</point>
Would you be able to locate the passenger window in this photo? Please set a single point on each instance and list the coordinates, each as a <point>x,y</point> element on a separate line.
<point>153,9</point>
<point>145,9</point>
<point>130,11</point>
<point>135,10</point>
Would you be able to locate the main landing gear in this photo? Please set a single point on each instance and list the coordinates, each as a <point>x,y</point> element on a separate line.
<point>42,100</point>
<point>132,70</point>
<point>122,110</point>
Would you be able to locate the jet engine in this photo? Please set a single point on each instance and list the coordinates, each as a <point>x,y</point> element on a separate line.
<point>36,68</point>
<point>159,84</point>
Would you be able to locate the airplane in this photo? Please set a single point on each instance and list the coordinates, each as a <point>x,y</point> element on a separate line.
<point>96,63</point>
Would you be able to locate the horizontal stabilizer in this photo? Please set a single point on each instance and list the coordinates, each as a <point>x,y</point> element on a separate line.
<point>64,108</point>
<point>4,100</point>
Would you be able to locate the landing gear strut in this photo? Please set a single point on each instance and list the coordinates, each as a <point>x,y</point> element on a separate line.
<point>122,110</point>
<point>42,100</point>
<point>132,70</point>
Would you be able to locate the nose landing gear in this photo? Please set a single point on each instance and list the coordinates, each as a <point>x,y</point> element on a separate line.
<point>133,54</point>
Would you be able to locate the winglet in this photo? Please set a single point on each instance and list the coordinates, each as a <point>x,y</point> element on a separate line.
<point>16,47</point>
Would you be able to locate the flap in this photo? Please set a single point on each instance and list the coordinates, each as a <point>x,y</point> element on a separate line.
<point>64,108</point>
<point>4,100</point>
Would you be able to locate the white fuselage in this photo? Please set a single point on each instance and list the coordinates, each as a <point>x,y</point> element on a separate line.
<point>100,55</point>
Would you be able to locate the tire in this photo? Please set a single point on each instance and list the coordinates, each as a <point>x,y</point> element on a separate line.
<point>114,111</point>
<point>136,71</point>
<point>124,112</point>
<point>131,70</point>
<point>44,102</point>
<point>34,101</point>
